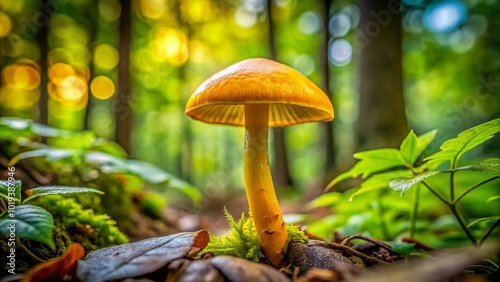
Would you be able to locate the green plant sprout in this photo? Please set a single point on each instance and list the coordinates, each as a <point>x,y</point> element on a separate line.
<point>397,168</point>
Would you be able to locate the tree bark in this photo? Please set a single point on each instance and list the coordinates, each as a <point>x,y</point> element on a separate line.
<point>43,33</point>
<point>123,112</point>
<point>281,173</point>
<point>382,121</point>
<point>328,142</point>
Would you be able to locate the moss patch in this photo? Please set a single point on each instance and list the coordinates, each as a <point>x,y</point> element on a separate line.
<point>242,240</point>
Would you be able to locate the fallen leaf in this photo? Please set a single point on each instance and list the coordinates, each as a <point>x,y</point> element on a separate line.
<point>223,268</point>
<point>56,269</point>
<point>138,258</point>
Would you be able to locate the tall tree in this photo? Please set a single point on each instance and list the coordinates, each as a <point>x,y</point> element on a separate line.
<point>281,173</point>
<point>43,35</point>
<point>328,142</point>
<point>123,111</point>
<point>382,120</point>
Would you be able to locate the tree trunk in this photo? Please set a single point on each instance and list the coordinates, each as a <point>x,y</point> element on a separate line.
<point>123,112</point>
<point>382,120</point>
<point>281,174</point>
<point>328,143</point>
<point>44,68</point>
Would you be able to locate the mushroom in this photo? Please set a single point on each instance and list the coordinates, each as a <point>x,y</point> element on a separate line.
<point>257,94</point>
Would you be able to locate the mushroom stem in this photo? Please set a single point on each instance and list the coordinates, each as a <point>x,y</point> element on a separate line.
<point>264,207</point>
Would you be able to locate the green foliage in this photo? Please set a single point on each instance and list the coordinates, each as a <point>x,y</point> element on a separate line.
<point>400,170</point>
<point>242,240</point>
<point>453,149</point>
<point>29,222</point>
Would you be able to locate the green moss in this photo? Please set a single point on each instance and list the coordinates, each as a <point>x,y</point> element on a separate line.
<point>92,231</point>
<point>242,240</point>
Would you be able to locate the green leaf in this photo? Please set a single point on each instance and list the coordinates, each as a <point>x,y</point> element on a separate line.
<point>56,190</point>
<point>483,219</point>
<point>10,191</point>
<point>453,149</point>
<point>325,200</point>
<point>408,148</point>
<point>30,222</point>
<point>13,128</point>
<point>494,198</point>
<point>401,248</point>
<point>403,184</point>
<point>379,181</point>
<point>77,140</point>
<point>412,146</point>
<point>109,147</point>
<point>370,162</point>
<point>491,166</point>
<point>49,154</point>
<point>424,140</point>
<point>149,172</point>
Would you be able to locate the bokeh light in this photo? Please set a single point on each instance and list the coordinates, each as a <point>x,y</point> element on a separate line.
<point>339,25</point>
<point>58,72</point>
<point>5,24</point>
<point>102,87</point>
<point>106,57</point>
<point>445,16</point>
<point>245,18</point>
<point>152,9</point>
<point>340,52</point>
<point>17,98</point>
<point>310,23</point>
<point>170,44</point>
<point>21,76</point>
<point>71,89</point>
<point>109,10</point>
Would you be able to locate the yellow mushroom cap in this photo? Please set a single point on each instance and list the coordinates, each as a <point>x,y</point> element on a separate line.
<point>292,97</point>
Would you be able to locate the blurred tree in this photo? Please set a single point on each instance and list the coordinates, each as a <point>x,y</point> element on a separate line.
<point>381,121</point>
<point>44,78</point>
<point>281,173</point>
<point>327,127</point>
<point>123,112</point>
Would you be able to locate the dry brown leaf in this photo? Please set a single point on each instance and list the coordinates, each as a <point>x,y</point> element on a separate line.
<point>56,269</point>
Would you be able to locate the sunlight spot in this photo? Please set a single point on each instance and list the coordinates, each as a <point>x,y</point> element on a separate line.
<point>106,57</point>
<point>245,18</point>
<point>58,72</point>
<point>102,87</point>
<point>304,64</point>
<point>170,44</point>
<point>339,25</point>
<point>310,23</point>
<point>5,24</point>
<point>109,10</point>
<point>340,52</point>
<point>445,16</point>
<point>72,89</point>
<point>152,9</point>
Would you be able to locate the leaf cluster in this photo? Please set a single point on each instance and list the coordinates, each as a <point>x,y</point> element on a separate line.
<point>404,168</point>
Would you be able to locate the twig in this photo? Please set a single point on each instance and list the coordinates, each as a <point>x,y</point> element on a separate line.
<point>350,251</point>
<point>374,241</point>
<point>453,209</point>
<point>489,232</point>
<point>474,187</point>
